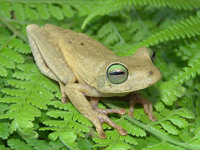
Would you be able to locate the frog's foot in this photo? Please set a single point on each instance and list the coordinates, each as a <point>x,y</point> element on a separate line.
<point>147,105</point>
<point>94,102</point>
<point>103,118</point>
<point>64,98</point>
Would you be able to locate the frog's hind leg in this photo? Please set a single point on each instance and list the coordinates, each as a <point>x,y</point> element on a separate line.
<point>135,98</point>
<point>48,58</point>
<point>44,69</point>
<point>76,93</point>
<point>94,102</point>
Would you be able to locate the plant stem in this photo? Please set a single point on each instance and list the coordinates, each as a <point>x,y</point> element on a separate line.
<point>13,29</point>
<point>149,128</point>
<point>160,135</point>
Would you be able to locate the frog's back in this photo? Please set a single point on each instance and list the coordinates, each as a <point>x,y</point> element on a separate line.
<point>83,54</point>
<point>79,42</point>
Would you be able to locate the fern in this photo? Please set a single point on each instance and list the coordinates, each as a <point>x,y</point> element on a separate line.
<point>31,113</point>
<point>163,144</point>
<point>24,106</point>
<point>68,127</point>
<point>3,71</point>
<point>43,145</point>
<point>110,34</point>
<point>186,28</point>
<point>191,71</point>
<point>4,130</point>
<point>115,141</point>
<point>17,144</point>
<point>118,5</point>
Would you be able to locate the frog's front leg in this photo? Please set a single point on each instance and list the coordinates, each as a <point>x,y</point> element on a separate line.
<point>135,98</point>
<point>76,93</point>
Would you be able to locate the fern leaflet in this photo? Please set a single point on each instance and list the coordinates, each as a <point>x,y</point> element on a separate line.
<point>186,28</point>
<point>116,5</point>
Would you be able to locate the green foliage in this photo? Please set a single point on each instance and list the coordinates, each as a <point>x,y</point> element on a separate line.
<point>31,113</point>
<point>161,145</point>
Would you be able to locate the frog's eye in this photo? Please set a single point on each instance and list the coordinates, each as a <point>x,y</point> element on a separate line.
<point>117,73</point>
<point>153,56</point>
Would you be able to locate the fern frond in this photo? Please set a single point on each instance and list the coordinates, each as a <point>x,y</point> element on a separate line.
<point>186,28</point>
<point>129,139</point>
<point>26,68</point>
<point>28,97</point>
<point>190,71</point>
<point>43,145</point>
<point>4,130</point>
<point>169,128</point>
<point>68,120</point>
<point>68,139</point>
<point>19,46</point>
<point>156,129</point>
<point>116,5</point>
<point>3,72</point>
<point>67,11</point>
<point>55,12</point>
<point>60,105</point>
<point>30,12</point>
<point>5,9</point>
<point>105,30</point>
<point>110,34</point>
<point>165,145</point>
<point>131,129</point>
<point>66,136</point>
<point>6,62</point>
<point>81,119</point>
<point>178,121</point>
<point>188,50</point>
<point>2,147</point>
<point>18,145</point>
<point>170,91</point>
<point>3,108</point>
<point>12,55</point>
<point>28,102</point>
<point>19,11</point>
<point>113,141</point>
<point>43,11</point>
<point>172,120</point>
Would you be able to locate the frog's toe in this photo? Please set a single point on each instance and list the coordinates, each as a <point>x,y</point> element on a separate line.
<point>120,111</point>
<point>147,105</point>
<point>105,119</point>
<point>64,99</point>
<point>94,102</point>
<point>148,108</point>
<point>102,135</point>
<point>152,118</point>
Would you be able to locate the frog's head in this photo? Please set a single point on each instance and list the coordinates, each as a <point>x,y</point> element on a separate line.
<point>129,73</point>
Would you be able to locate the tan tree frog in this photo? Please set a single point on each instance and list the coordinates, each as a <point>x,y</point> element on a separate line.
<point>85,69</point>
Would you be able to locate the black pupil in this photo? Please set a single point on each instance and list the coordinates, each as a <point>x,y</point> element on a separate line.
<point>117,73</point>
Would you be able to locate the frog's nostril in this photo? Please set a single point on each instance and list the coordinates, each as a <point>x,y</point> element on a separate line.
<point>150,73</point>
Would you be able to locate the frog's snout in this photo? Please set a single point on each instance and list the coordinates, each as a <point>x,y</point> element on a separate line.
<point>154,74</point>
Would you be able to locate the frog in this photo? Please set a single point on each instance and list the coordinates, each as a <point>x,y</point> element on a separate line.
<point>87,71</point>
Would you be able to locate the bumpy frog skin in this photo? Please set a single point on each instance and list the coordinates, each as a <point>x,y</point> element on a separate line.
<point>84,67</point>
